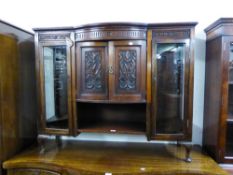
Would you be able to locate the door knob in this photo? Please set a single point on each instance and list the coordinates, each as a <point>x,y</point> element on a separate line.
<point>110,70</point>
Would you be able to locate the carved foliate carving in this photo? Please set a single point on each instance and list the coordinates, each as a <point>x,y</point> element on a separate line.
<point>54,36</point>
<point>93,71</point>
<point>97,35</point>
<point>128,69</point>
<point>172,34</point>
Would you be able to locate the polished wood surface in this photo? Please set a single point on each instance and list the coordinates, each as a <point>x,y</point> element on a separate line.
<point>119,24</point>
<point>114,64</point>
<point>212,107</point>
<point>128,77</point>
<point>18,112</point>
<point>59,40</point>
<point>92,71</point>
<point>112,118</point>
<point>217,138</point>
<point>166,35</point>
<point>116,158</point>
<point>99,71</point>
<point>9,97</point>
<point>148,84</point>
<point>31,172</point>
<point>223,26</point>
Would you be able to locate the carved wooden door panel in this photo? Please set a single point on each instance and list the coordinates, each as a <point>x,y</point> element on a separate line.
<point>127,71</point>
<point>92,78</point>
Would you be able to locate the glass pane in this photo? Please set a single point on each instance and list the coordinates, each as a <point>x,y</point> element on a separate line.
<point>230,88</point>
<point>229,135</point>
<point>55,79</point>
<point>229,140</point>
<point>170,59</point>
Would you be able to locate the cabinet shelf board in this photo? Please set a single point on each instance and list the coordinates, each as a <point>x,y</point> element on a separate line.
<point>229,150</point>
<point>110,102</point>
<point>230,120</point>
<point>114,127</point>
<point>56,119</point>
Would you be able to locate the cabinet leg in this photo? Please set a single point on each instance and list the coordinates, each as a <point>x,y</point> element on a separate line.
<point>41,143</point>
<point>46,144</point>
<point>59,141</point>
<point>188,149</point>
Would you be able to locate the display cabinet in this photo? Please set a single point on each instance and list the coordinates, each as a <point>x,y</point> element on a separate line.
<point>218,120</point>
<point>117,78</point>
<point>172,82</point>
<point>54,80</point>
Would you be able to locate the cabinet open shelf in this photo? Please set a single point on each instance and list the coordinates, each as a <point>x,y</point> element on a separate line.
<point>56,122</point>
<point>110,102</point>
<point>114,127</point>
<point>230,118</point>
<point>229,150</point>
<point>56,119</point>
<point>111,118</point>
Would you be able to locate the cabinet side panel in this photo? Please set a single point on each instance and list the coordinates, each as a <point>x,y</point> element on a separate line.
<point>212,96</point>
<point>9,96</point>
<point>27,93</point>
<point>17,103</point>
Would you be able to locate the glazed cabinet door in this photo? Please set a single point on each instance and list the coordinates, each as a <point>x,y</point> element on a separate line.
<point>54,66</point>
<point>226,138</point>
<point>92,75</point>
<point>127,71</point>
<point>171,87</point>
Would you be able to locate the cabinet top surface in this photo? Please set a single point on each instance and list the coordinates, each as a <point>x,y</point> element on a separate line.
<point>219,22</point>
<point>116,158</point>
<point>119,25</point>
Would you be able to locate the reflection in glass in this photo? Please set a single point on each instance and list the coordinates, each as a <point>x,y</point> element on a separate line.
<point>229,135</point>
<point>170,58</point>
<point>229,140</point>
<point>55,80</point>
<point>230,88</point>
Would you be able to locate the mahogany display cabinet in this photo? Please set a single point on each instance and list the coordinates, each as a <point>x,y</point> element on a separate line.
<point>116,78</point>
<point>127,78</point>
<point>218,111</point>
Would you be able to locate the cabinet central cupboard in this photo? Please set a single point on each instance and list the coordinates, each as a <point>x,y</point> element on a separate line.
<point>116,78</point>
<point>112,71</point>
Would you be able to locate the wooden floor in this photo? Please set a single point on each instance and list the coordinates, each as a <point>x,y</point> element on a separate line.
<point>99,158</point>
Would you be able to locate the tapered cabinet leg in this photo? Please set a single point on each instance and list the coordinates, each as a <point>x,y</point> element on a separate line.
<point>188,149</point>
<point>58,141</point>
<point>41,143</point>
<point>188,157</point>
